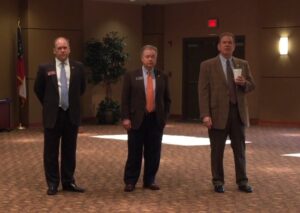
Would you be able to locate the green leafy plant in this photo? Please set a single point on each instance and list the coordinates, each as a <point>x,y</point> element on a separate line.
<point>106,60</point>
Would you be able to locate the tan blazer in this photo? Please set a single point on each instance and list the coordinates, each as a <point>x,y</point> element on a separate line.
<point>214,93</point>
<point>133,104</point>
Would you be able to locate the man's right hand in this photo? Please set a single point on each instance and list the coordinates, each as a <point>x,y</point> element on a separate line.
<point>126,124</point>
<point>207,122</point>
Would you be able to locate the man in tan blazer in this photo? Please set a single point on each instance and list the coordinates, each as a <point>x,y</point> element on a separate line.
<point>223,109</point>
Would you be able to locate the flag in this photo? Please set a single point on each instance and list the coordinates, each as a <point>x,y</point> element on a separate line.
<point>21,76</point>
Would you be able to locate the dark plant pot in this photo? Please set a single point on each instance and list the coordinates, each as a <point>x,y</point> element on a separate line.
<point>108,117</point>
<point>108,112</point>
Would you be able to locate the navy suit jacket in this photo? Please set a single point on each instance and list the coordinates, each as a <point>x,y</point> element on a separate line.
<point>46,89</point>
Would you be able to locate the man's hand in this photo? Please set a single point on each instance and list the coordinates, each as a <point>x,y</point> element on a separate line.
<point>207,122</point>
<point>126,124</point>
<point>240,80</point>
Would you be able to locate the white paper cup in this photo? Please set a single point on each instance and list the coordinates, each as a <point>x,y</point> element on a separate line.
<point>237,72</point>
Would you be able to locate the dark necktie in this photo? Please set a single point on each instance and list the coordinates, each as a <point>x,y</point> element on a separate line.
<point>230,81</point>
<point>64,93</point>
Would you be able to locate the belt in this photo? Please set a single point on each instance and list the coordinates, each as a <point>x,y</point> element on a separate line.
<point>149,113</point>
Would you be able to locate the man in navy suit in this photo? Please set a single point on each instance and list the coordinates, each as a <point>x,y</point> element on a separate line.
<point>58,86</point>
<point>145,108</point>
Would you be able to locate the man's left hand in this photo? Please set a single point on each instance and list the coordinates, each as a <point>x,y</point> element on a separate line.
<point>240,80</point>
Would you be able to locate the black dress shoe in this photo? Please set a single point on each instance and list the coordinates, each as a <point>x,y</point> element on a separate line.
<point>219,189</point>
<point>72,187</point>
<point>152,186</point>
<point>245,188</point>
<point>52,190</point>
<point>129,187</point>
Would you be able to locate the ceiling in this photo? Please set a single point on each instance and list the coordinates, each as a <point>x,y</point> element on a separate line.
<point>144,2</point>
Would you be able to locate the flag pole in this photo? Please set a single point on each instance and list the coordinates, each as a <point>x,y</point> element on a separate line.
<point>21,127</point>
<point>21,76</point>
<point>21,105</point>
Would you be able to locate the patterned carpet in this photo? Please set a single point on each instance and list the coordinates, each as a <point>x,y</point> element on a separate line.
<point>184,175</point>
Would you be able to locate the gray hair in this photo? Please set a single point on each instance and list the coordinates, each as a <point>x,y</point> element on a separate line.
<point>226,34</point>
<point>149,46</point>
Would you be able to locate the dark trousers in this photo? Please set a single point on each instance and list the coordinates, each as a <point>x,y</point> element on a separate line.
<point>145,140</point>
<point>63,136</point>
<point>236,132</point>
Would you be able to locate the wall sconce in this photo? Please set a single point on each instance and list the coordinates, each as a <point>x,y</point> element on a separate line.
<point>283,45</point>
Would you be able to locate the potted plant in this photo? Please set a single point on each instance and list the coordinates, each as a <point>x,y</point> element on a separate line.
<point>106,61</point>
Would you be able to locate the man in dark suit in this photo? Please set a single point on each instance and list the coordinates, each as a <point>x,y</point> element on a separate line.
<point>145,107</point>
<point>58,86</point>
<point>223,109</point>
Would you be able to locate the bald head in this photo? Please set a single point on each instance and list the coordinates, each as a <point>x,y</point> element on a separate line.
<point>61,48</point>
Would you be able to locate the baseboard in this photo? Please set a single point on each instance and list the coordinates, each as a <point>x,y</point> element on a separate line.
<point>278,123</point>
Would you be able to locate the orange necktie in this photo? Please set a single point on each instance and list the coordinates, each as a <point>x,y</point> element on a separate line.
<point>150,94</point>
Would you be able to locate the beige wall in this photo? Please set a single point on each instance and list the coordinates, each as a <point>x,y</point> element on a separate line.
<point>262,22</point>
<point>9,13</point>
<point>190,20</point>
<point>153,30</point>
<point>44,21</point>
<point>280,75</point>
<point>101,18</point>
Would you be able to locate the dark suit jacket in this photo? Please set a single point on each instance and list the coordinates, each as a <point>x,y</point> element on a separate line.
<point>214,93</point>
<point>134,98</point>
<point>46,89</point>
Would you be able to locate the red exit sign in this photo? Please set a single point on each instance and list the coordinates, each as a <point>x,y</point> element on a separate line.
<point>212,23</point>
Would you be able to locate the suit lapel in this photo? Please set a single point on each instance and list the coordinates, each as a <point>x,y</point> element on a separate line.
<point>139,81</point>
<point>236,63</point>
<point>72,73</point>
<point>158,81</point>
<point>52,67</point>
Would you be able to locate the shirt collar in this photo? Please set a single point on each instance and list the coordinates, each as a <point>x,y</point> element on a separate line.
<point>223,59</point>
<point>58,62</point>
<point>145,71</point>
